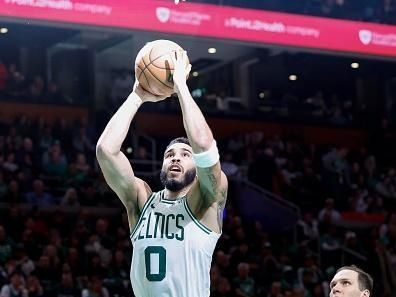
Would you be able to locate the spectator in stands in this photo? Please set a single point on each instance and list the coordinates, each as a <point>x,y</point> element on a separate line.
<point>243,283</point>
<point>354,251</point>
<point>308,228</point>
<point>34,287</point>
<point>54,162</point>
<point>335,171</point>
<point>70,199</point>
<point>89,195</point>
<point>268,266</point>
<point>15,288</point>
<point>330,247</point>
<point>275,290</point>
<point>95,266</point>
<point>387,185</point>
<point>47,273</point>
<point>25,263</point>
<point>67,287</point>
<point>10,164</point>
<point>223,289</point>
<point>329,215</point>
<point>38,196</point>
<point>73,258</point>
<point>358,200</point>
<point>95,288</point>
<point>319,290</point>
<point>6,245</point>
<point>36,89</point>
<point>119,274</point>
<point>222,263</point>
<point>13,194</point>
<point>26,157</point>
<point>44,136</point>
<point>78,171</point>
<point>310,273</point>
<point>52,253</point>
<point>62,131</point>
<point>16,81</point>
<point>82,143</point>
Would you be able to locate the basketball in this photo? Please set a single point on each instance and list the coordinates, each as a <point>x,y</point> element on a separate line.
<point>154,66</point>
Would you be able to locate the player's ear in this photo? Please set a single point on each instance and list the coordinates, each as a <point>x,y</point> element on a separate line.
<point>365,293</point>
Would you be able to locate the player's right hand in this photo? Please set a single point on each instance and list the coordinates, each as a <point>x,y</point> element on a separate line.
<point>145,95</point>
<point>181,71</point>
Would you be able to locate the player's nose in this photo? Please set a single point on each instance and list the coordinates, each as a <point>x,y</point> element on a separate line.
<point>175,159</point>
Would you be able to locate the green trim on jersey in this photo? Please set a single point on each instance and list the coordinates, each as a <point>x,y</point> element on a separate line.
<point>195,220</point>
<point>151,198</point>
<point>169,201</point>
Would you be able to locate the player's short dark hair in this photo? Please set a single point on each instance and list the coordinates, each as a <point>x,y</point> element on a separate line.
<point>365,280</point>
<point>178,140</point>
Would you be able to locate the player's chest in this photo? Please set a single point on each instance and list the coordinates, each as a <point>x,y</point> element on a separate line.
<point>163,222</point>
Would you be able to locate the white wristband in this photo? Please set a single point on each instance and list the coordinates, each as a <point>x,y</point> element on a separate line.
<point>208,158</point>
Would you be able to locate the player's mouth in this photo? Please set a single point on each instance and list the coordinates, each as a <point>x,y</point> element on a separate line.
<point>175,168</point>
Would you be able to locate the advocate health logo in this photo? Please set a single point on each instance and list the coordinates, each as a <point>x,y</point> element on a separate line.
<point>163,14</point>
<point>369,37</point>
<point>365,36</point>
<point>195,18</point>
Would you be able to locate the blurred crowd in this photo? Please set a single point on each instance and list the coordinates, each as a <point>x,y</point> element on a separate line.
<point>346,197</point>
<point>64,233</point>
<point>14,85</point>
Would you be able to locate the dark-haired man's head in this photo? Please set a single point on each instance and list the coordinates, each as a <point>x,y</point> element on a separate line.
<point>178,167</point>
<point>351,281</point>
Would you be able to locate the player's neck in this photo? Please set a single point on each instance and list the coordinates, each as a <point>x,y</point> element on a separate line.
<point>170,195</point>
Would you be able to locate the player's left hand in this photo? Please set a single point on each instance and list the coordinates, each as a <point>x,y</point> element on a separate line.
<point>181,71</point>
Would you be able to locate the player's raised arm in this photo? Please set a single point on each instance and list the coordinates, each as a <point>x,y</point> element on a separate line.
<point>115,166</point>
<point>212,181</point>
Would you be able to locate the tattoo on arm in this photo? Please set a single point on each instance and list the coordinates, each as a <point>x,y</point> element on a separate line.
<point>213,181</point>
<point>220,208</point>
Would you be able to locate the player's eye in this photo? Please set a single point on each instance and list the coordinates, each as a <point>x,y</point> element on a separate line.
<point>186,154</point>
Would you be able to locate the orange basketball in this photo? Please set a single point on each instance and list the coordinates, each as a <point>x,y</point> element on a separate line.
<point>154,66</point>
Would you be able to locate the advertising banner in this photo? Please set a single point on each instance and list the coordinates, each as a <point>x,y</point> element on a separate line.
<point>213,21</point>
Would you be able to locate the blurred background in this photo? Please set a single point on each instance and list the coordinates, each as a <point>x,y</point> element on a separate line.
<point>300,96</point>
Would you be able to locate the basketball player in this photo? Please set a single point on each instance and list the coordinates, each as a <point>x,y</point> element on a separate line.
<point>173,231</point>
<point>351,281</point>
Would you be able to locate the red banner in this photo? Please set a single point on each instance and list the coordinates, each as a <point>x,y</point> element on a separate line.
<point>213,21</point>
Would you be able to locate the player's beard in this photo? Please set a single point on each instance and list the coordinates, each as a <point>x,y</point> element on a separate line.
<point>177,185</point>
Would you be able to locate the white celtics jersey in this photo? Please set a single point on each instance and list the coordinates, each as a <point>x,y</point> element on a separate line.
<point>172,250</point>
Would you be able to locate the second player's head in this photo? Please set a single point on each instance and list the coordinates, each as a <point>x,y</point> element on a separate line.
<point>351,281</point>
<point>178,167</point>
